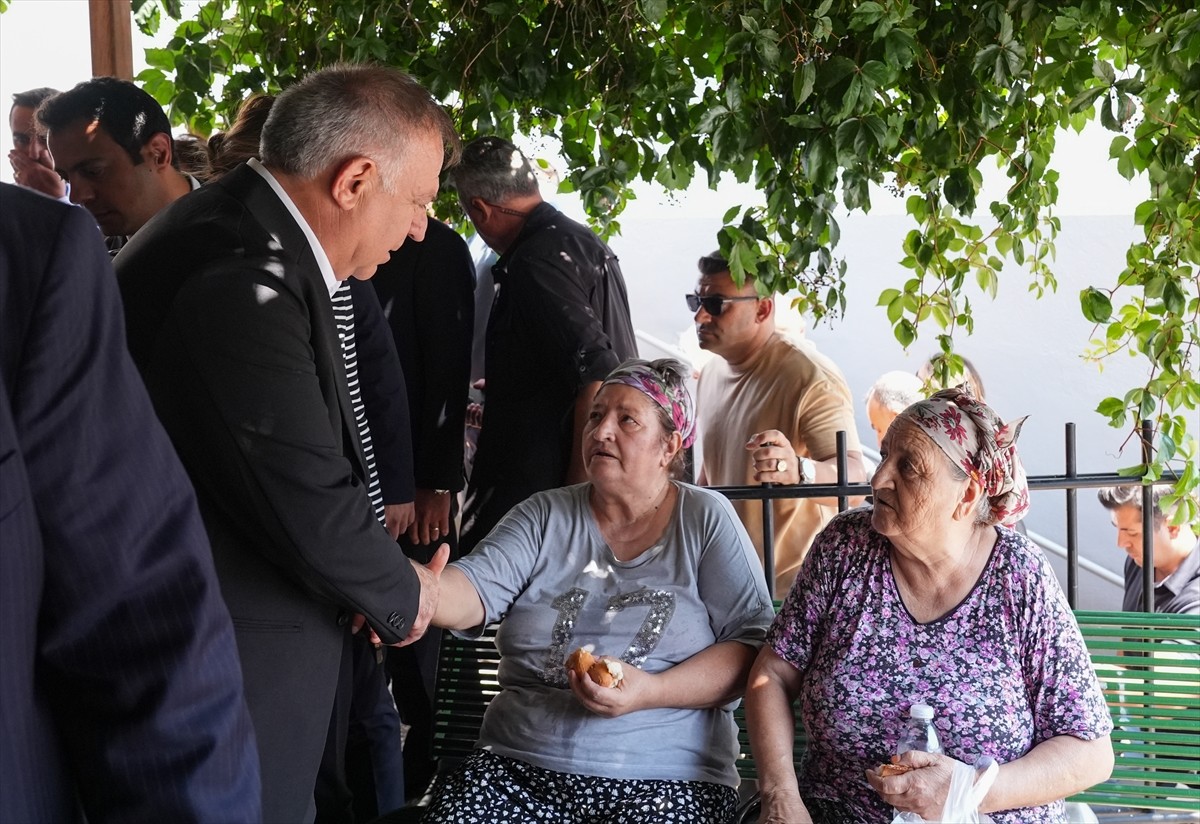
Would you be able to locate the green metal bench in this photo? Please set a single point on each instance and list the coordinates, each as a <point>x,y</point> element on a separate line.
<point>1150,665</point>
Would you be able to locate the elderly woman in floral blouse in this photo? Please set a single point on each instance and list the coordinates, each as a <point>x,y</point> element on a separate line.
<point>925,598</point>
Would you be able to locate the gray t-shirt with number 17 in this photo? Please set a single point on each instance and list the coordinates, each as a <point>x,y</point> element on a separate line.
<point>546,570</point>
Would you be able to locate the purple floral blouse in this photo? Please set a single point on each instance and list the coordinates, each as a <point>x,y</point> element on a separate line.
<point>1004,670</point>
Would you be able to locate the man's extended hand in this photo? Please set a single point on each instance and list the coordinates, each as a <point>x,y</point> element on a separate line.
<point>429,575</point>
<point>432,517</point>
<point>37,172</point>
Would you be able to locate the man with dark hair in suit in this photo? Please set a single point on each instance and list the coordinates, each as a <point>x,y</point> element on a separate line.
<point>32,165</point>
<point>227,295</point>
<point>112,142</point>
<point>119,678</point>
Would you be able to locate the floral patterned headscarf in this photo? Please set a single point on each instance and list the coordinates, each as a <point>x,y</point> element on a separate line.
<point>662,381</point>
<point>977,441</point>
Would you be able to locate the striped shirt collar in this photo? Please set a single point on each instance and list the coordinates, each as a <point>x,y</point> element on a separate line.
<point>331,281</point>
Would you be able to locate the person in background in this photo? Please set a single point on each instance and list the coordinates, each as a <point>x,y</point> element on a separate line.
<point>121,689</point>
<point>770,408</point>
<point>921,598</point>
<point>888,397</point>
<point>32,164</point>
<point>231,148</point>
<point>194,160</point>
<point>112,143</point>
<point>426,290</point>
<point>561,313</point>
<point>656,574</point>
<point>1176,552</point>
<point>939,373</point>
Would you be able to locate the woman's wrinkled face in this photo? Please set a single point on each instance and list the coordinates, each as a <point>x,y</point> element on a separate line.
<point>623,439</point>
<point>915,488</point>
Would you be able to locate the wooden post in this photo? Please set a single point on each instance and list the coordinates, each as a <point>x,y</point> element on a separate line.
<point>112,38</point>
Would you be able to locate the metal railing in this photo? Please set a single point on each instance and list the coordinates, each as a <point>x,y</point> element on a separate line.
<point>1069,482</point>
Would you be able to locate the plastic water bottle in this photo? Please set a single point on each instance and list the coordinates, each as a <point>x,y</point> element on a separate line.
<point>919,733</point>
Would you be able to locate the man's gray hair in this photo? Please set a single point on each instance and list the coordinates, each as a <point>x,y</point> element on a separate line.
<point>350,110</point>
<point>494,170</point>
<point>896,391</point>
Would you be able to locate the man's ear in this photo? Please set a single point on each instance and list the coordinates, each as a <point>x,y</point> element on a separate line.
<point>764,308</point>
<point>478,210</point>
<point>159,150</point>
<point>351,181</point>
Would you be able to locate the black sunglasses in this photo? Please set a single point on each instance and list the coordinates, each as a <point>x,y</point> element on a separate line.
<point>713,304</point>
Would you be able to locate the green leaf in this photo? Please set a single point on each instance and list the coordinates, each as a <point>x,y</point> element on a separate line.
<point>1085,99</point>
<point>820,162</point>
<point>653,10</point>
<point>865,15</point>
<point>803,80</point>
<point>1103,70</point>
<point>878,73</point>
<point>1095,304</point>
<point>1173,297</point>
<point>1111,407</point>
<point>834,71</point>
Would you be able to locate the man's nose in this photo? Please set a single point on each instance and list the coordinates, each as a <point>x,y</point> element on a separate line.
<point>417,230</point>
<point>80,192</point>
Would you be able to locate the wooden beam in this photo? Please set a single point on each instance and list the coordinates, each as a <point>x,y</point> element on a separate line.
<point>112,38</point>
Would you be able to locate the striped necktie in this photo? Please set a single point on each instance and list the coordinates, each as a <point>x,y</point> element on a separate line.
<point>343,317</point>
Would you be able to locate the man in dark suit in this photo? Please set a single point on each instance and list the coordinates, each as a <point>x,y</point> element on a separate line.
<point>427,292</point>
<point>119,680</point>
<point>227,296</point>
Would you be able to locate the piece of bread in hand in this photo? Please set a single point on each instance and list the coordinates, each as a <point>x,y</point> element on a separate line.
<point>606,672</point>
<point>894,767</point>
<point>581,660</point>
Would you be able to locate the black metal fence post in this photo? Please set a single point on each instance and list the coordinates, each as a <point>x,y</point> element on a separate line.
<point>1072,523</point>
<point>843,467</point>
<point>1147,524</point>
<point>768,505</point>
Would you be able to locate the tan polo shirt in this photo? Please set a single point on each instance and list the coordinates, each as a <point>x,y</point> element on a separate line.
<point>788,385</point>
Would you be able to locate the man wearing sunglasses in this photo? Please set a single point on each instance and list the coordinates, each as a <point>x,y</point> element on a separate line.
<point>769,411</point>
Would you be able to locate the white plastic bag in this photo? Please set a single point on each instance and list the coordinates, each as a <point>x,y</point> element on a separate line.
<point>966,792</point>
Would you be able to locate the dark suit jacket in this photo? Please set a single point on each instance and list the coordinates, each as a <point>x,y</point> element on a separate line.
<point>427,293</point>
<point>230,322</point>
<point>120,685</point>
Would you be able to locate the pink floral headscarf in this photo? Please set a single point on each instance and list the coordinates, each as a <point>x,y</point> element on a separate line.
<point>662,381</point>
<point>977,441</point>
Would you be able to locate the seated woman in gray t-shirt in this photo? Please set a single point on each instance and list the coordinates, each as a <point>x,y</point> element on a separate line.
<point>654,572</point>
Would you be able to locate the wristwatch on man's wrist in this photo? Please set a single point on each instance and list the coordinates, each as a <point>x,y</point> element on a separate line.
<point>808,469</point>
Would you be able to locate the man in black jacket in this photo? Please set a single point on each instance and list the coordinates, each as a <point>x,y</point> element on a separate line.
<point>559,324</point>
